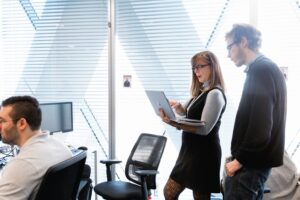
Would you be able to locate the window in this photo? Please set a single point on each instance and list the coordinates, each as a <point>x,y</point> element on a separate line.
<point>58,51</point>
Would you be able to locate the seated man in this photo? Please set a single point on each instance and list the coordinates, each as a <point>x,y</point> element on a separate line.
<point>20,120</point>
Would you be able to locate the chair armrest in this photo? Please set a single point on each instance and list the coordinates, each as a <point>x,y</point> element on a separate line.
<point>108,164</point>
<point>143,174</point>
<point>146,172</point>
<point>83,148</point>
<point>267,190</point>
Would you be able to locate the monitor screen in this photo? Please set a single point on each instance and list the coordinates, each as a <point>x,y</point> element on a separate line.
<point>57,117</point>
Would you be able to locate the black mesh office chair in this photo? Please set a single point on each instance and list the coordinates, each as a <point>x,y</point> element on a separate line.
<point>141,169</point>
<point>85,187</point>
<point>61,181</point>
<point>86,184</point>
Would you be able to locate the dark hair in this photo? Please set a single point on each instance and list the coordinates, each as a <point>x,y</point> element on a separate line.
<point>26,107</point>
<point>252,35</point>
<point>216,77</point>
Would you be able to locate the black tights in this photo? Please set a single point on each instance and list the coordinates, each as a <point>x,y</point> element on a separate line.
<point>172,190</point>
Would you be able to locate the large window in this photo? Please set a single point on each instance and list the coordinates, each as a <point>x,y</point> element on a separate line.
<point>282,43</point>
<point>58,51</point>
<point>155,41</point>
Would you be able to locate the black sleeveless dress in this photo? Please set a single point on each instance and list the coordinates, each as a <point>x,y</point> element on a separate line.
<point>198,164</point>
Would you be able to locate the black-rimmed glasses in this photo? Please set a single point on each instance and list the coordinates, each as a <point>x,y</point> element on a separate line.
<point>230,46</point>
<point>199,66</point>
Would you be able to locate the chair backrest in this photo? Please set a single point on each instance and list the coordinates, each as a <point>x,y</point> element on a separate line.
<point>61,181</point>
<point>146,154</point>
<point>85,187</point>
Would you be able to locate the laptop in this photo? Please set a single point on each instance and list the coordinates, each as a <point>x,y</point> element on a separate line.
<point>159,100</point>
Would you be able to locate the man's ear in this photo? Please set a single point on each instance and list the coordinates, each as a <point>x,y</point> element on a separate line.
<point>244,42</point>
<point>22,124</point>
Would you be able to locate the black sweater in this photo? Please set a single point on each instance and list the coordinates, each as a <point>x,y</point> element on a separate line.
<point>259,129</point>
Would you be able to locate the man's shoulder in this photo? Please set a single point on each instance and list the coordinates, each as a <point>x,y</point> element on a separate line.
<point>45,147</point>
<point>264,62</point>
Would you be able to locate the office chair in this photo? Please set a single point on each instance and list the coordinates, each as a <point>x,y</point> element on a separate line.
<point>85,186</point>
<point>61,181</point>
<point>141,169</point>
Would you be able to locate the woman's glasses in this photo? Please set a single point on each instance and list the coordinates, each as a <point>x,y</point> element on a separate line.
<point>199,66</point>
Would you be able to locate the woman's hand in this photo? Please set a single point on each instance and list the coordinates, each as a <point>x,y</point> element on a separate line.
<point>164,117</point>
<point>174,104</point>
<point>167,120</point>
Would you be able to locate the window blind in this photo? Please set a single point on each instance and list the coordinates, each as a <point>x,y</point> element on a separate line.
<point>57,51</point>
<point>281,43</point>
<point>156,40</point>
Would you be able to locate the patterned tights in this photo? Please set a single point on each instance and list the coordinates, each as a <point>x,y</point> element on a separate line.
<point>172,190</point>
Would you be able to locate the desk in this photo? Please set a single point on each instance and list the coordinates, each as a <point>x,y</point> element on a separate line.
<point>6,153</point>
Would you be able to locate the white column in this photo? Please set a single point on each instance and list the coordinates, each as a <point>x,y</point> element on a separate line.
<point>111,84</point>
<point>253,12</point>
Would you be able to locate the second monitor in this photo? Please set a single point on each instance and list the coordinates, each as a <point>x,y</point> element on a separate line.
<point>57,117</point>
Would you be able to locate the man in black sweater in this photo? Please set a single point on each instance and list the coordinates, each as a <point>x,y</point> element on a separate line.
<point>257,142</point>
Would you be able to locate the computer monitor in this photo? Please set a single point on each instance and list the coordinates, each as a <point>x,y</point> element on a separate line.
<point>57,117</point>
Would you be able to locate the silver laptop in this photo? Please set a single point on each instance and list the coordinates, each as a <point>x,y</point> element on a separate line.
<point>159,100</point>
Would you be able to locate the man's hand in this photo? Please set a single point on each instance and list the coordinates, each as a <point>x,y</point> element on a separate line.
<point>232,167</point>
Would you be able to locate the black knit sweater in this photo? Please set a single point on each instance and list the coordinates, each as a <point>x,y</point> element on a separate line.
<point>259,130</point>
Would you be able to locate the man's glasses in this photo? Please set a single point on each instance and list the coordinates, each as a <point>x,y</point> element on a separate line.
<point>230,45</point>
<point>199,66</point>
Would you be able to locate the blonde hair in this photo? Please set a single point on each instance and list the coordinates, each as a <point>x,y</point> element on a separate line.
<point>216,77</point>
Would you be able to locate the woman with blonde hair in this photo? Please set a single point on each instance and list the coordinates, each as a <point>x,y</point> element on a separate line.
<point>198,163</point>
